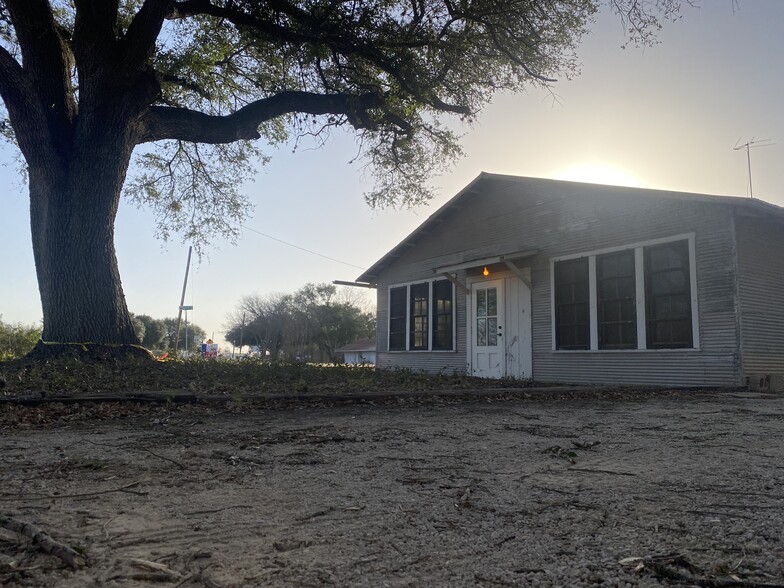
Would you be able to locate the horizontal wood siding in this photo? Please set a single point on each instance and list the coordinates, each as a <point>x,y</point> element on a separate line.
<point>558,219</point>
<point>761,287</point>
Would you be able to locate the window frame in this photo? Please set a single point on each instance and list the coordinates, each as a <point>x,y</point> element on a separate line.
<point>419,330</point>
<point>616,301</point>
<point>559,305</point>
<point>650,320</point>
<point>429,318</point>
<point>403,318</point>
<point>435,314</point>
<point>640,296</point>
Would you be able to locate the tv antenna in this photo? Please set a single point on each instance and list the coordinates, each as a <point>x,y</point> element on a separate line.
<point>747,146</point>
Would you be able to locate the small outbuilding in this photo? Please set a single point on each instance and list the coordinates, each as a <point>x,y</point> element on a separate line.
<point>584,283</point>
<point>362,352</point>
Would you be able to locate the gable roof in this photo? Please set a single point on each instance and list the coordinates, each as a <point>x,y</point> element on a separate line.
<point>485,181</point>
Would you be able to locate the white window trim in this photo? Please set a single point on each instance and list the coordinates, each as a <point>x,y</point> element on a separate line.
<point>407,286</point>
<point>639,272</point>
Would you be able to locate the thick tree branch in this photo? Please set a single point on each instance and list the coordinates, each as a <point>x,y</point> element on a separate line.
<point>162,123</point>
<point>11,76</point>
<point>14,89</point>
<point>314,32</point>
<point>138,44</point>
<point>240,19</point>
<point>35,29</point>
<point>94,37</point>
<point>44,58</point>
<point>105,64</point>
<point>36,94</point>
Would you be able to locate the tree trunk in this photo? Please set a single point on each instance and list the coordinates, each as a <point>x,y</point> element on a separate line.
<point>73,205</point>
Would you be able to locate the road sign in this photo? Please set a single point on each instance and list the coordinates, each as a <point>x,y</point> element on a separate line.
<point>186,308</point>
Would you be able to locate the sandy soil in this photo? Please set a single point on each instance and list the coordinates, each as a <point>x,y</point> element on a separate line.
<point>521,492</point>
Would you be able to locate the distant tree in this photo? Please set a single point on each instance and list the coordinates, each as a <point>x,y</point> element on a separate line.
<point>16,340</point>
<point>313,321</point>
<point>196,335</point>
<point>154,334</point>
<point>337,325</point>
<point>139,327</point>
<point>261,321</point>
<point>362,298</point>
<point>330,324</point>
<point>86,82</point>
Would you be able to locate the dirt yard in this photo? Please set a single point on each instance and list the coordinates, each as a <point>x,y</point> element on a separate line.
<point>523,492</point>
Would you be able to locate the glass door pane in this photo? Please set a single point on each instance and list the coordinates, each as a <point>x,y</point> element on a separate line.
<point>487,317</point>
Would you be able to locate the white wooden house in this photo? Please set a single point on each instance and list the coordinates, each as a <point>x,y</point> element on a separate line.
<point>571,282</point>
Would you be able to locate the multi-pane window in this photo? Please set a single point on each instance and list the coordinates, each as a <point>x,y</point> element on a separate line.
<point>420,293</point>
<point>421,317</point>
<point>442,315</point>
<point>636,298</point>
<point>572,317</point>
<point>486,317</point>
<point>668,296</point>
<point>397,318</point>
<point>615,300</point>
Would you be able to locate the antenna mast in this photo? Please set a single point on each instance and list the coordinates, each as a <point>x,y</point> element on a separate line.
<point>747,146</point>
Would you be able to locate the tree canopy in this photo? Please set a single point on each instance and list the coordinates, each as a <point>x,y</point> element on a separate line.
<point>311,323</point>
<point>188,88</point>
<point>160,334</point>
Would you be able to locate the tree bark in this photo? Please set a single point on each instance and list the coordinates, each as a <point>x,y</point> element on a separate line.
<point>73,205</point>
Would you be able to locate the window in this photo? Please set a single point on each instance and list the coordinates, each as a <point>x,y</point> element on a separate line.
<point>418,329</point>
<point>572,325</point>
<point>668,296</point>
<point>442,315</point>
<point>640,297</point>
<point>421,317</point>
<point>397,319</point>
<point>486,325</point>
<point>615,300</point>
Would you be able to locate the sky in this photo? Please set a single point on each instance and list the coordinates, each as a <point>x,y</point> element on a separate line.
<point>663,117</point>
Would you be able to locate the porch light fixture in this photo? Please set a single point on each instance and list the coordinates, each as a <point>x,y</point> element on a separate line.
<point>485,272</point>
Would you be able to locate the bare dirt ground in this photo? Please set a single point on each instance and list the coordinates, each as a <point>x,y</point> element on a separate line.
<point>523,492</point>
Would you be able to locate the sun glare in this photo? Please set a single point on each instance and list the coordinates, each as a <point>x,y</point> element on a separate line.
<point>597,173</point>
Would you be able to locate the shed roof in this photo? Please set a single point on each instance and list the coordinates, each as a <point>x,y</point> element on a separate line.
<point>485,181</point>
<point>360,345</point>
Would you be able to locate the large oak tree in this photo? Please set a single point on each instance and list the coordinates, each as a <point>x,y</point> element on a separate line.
<point>186,87</point>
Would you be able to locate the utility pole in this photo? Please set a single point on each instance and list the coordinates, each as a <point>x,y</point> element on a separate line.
<point>182,300</point>
<point>242,329</point>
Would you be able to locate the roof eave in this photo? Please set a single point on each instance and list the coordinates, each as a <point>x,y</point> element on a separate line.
<point>370,275</point>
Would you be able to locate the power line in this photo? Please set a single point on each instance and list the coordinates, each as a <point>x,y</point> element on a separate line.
<point>302,248</point>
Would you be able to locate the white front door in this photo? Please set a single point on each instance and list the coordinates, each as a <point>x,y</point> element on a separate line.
<point>488,359</point>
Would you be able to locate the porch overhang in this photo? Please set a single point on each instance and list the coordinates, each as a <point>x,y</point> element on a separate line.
<point>507,259</point>
<point>353,284</point>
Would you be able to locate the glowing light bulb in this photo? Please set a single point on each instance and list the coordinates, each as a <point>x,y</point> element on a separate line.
<point>485,272</point>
